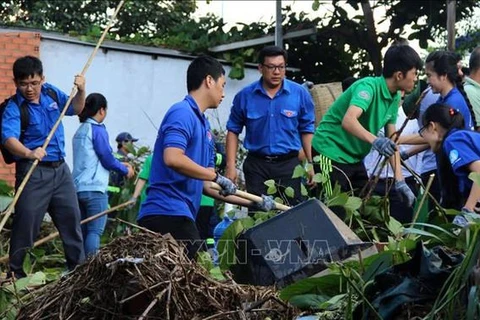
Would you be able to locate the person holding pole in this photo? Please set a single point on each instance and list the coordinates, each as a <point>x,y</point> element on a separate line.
<point>50,187</point>
<point>183,161</point>
<point>92,162</point>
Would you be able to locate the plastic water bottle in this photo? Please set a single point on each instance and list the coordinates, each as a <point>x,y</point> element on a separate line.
<point>218,232</point>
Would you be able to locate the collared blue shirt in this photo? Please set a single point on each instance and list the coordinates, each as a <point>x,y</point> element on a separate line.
<point>456,100</point>
<point>273,126</point>
<point>93,157</point>
<point>172,193</point>
<point>462,148</point>
<point>42,118</point>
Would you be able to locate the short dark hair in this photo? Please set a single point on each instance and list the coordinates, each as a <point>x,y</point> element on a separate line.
<point>474,63</point>
<point>27,66</point>
<point>271,51</point>
<point>400,58</point>
<point>200,68</point>
<point>93,103</point>
<point>347,82</point>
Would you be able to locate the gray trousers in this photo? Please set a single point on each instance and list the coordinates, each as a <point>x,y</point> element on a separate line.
<point>48,189</point>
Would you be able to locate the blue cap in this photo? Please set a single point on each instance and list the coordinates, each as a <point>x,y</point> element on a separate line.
<point>125,136</point>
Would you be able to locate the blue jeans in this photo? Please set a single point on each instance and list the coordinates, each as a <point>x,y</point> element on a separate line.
<point>91,203</point>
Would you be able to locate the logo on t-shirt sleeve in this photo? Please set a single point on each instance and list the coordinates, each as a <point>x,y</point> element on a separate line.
<point>454,157</point>
<point>365,95</point>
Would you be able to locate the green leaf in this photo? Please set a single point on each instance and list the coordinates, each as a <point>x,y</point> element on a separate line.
<point>27,263</point>
<point>315,5</point>
<point>353,203</point>
<point>395,226</point>
<point>472,306</point>
<point>217,274</point>
<point>433,226</point>
<point>333,303</point>
<point>303,190</point>
<point>319,178</point>
<point>308,301</point>
<point>205,260</point>
<point>226,246</point>
<point>272,190</point>
<point>269,183</point>
<point>298,172</point>
<point>421,233</point>
<point>289,192</point>
<point>326,285</point>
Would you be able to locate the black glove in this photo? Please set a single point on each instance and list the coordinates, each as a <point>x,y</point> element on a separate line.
<point>228,187</point>
<point>384,146</point>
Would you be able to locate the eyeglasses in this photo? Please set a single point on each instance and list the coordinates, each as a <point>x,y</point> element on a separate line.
<point>422,129</point>
<point>32,84</point>
<point>272,68</point>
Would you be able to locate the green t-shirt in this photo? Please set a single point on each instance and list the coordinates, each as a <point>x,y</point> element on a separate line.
<point>380,107</point>
<point>472,89</point>
<point>144,175</point>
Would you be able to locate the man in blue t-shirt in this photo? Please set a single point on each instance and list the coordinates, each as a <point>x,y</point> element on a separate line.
<point>183,159</point>
<point>50,186</point>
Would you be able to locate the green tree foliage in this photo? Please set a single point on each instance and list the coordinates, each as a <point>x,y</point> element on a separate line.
<point>146,17</point>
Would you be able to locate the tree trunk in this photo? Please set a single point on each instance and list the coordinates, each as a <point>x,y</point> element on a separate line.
<point>373,47</point>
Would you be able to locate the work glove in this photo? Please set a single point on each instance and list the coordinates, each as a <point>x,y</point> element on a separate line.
<point>267,204</point>
<point>405,193</point>
<point>404,155</point>
<point>467,216</point>
<point>131,205</point>
<point>384,146</point>
<point>228,187</point>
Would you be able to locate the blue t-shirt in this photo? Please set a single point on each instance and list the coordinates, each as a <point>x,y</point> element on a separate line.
<point>273,125</point>
<point>42,118</point>
<point>462,148</point>
<point>171,193</point>
<point>456,100</point>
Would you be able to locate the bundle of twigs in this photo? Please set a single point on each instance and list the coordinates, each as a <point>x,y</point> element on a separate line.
<point>153,280</point>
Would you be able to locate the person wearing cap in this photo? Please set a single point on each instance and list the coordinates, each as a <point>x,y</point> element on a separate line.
<point>116,181</point>
<point>123,140</point>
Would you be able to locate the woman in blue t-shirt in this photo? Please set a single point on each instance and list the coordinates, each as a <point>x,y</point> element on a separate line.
<point>445,77</point>
<point>458,152</point>
<point>92,161</point>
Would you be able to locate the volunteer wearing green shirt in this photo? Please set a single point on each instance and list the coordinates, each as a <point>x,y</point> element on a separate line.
<point>142,182</point>
<point>348,130</point>
<point>472,84</point>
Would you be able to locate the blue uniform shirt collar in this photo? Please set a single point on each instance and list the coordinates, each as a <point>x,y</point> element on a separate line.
<point>92,121</point>
<point>449,94</point>
<point>286,87</point>
<point>193,104</point>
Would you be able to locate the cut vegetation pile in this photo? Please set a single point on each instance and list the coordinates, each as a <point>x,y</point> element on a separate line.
<point>148,276</point>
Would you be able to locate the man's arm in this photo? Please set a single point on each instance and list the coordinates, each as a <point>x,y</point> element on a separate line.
<point>395,160</point>
<point>351,124</point>
<point>79,99</point>
<point>176,159</point>
<point>18,149</point>
<point>307,145</point>
<point>231,150</point>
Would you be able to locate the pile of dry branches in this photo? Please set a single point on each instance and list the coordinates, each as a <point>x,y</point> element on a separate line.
<point>154,280</point>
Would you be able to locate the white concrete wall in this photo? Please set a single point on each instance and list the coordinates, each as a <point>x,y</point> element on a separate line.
<point>134,84</point>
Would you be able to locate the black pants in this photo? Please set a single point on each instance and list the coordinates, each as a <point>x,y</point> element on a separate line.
<point>182,229</point>
<point>205,216</point>
<point>398,209</point>
<point>347,175</point>
<point>49,190</point>
<point>257,171</point>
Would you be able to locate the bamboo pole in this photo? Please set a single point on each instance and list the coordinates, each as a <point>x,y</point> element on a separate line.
<point>251,197</point>
<point>87,220</point>
<point>59,120</point>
